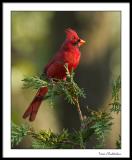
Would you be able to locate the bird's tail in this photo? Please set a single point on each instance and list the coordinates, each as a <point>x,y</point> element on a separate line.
<point>35,104</point>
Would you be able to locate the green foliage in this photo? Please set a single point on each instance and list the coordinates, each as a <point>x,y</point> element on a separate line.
<point>18,133</point>
<point>118,143</point>
<point>68,88</point>
<point>101,123</point>
<point>47,139</point>
<point>116,106</point>
<point>34,82</point>
<point>96,123</point>
<point>116,87</point>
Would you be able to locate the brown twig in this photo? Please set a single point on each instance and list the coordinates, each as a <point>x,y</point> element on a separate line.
<point>79,111</point>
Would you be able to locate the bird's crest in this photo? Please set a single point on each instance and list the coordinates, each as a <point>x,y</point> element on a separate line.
<point>70,33</point>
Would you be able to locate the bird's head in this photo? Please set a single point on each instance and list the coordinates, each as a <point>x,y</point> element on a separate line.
<point>73,37</point>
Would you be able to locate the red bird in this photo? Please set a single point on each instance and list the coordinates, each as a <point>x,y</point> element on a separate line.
<point>68,53</point>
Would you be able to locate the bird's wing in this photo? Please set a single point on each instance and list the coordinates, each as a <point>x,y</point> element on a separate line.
<point>56,70</point>
<point>48,65</point>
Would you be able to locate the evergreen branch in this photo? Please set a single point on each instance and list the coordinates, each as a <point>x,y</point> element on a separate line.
<point>116,106</point>
<point>101,123</point>
<point>34,82</point>
<point>118,142</point>
<point>97,123</point>
<point>116,87</point>
<point>67,88</point>
<point>18,133</point>
<point>47,139</point>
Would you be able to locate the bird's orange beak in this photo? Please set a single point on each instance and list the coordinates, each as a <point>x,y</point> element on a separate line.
<point>81,42</point>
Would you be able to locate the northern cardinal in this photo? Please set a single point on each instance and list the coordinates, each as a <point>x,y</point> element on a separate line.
<point>68,53</point>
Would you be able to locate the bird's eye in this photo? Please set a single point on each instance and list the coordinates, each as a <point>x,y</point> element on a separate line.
<point>72,38</point>
<point>76,42</point>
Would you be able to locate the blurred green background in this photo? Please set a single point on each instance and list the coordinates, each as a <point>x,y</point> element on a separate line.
<point>36,37</point>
